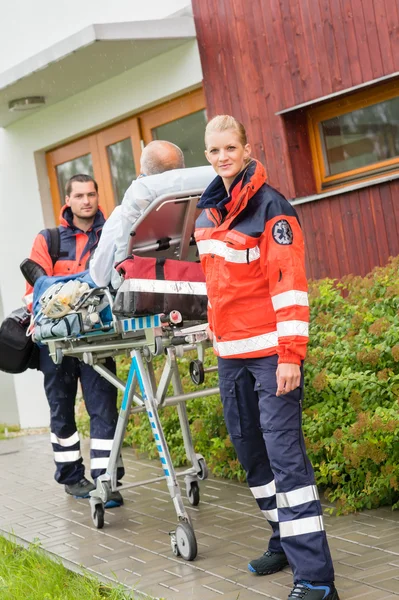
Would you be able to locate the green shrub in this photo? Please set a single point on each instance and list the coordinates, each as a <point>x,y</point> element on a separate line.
<point>351,418</point>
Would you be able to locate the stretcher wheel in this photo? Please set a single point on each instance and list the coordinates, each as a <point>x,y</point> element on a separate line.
<point>194,494</point>
<point>203,472</point>
<point>98,516</point>
<point>186,543</point>
<point>158,346</point>
<point>197,372</point>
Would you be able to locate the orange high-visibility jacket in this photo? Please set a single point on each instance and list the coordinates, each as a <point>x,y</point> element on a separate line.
<point>76,247</point>
<point>252,251</point>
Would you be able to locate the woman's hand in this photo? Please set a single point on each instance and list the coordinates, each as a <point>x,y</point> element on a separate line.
<point>209,333</point>
<point>288,378</point>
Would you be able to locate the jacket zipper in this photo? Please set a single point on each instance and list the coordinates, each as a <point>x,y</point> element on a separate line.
<point>213,217</point>
<point>237,208</point>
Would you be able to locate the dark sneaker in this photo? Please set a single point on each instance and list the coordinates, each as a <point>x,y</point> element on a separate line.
<point>313,591</point>
<point>268,563</point>
<point>80,489</point>
<point>115,500</point>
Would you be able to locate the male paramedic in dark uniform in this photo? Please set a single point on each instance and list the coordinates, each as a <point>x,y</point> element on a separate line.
<point>81,223</point>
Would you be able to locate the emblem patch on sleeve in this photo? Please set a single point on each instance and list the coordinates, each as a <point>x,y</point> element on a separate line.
<point>282,233</point>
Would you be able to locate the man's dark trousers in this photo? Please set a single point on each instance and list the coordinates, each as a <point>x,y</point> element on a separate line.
<point>60,384</point>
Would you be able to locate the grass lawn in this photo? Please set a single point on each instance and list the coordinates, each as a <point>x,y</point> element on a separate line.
<point>8,429</point>
<point>31,575</point>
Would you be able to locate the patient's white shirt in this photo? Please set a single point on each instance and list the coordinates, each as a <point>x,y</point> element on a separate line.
<point>114,241</point>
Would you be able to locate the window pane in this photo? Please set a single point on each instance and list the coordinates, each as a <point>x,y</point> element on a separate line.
<point>361,138</point>
<point>188,134</point>
<point>80,165</point>
<point>121,162</point>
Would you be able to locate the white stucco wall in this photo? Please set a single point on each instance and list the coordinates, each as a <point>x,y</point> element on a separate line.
<point>27,27</point>
<point>25,205</point>
<point>8,400</point>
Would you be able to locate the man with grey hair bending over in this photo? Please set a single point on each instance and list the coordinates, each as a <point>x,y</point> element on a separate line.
<point>161,172</point>
<point>160,156</point>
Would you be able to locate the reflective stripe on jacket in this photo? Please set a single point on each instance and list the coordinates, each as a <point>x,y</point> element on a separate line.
<point>252,252</point>
<point>76,247</point>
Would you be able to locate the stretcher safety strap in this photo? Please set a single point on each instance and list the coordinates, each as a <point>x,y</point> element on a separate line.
<point>65,442</point>
<point>252,344</point>
<point>67,457</point>
<point>264,491</point>
<point>297,497</point>
<point>291,298</point>
<point>160,286</point>
<point>225,251</point>
<point>301,526</point>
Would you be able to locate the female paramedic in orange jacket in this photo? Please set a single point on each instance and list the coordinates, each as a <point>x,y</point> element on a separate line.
<point>252,252</point>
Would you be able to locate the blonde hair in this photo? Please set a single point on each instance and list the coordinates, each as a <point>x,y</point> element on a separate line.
<point>225,122</point>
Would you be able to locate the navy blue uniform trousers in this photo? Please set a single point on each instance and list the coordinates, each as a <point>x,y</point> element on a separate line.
<point>60,384</point>
<point>266,432</point>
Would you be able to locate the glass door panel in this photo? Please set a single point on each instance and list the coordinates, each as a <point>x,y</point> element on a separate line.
<point>122,167</point>
<point>76,157</point>
<point>79,165</point>
<point>181,121</point>
<point>187,133</point>
<point>119,150</point>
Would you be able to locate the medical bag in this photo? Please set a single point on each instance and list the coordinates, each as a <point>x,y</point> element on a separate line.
<point>17,350</point>
<point>158,285</point>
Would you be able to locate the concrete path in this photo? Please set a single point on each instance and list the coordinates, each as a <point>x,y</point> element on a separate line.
<point>134,547</point>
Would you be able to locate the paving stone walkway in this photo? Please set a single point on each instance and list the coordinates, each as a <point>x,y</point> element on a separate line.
<point>134,547</point>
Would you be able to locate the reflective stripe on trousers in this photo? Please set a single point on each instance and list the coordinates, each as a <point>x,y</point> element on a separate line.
<point>267,435</point>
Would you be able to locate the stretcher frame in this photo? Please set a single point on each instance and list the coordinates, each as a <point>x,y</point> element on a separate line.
<point>143,339</point>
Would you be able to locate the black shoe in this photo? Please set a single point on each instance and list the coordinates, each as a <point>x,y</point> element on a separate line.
<point>313,591</point>
<point>268,563</point>
<point>80,489</point>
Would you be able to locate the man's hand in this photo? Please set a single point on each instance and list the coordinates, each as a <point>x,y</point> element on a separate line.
<point>209,333</point>
<point>288,378</point>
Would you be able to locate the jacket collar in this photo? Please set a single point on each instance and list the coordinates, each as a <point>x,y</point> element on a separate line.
<point>66,219</point>
<point>245,185</point>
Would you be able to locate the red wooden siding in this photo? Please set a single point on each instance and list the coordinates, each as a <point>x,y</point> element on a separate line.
<point>263,56</point>
<point>351,233</point>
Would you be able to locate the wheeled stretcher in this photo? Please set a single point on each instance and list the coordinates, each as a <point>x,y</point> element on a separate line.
<point>100,331</point>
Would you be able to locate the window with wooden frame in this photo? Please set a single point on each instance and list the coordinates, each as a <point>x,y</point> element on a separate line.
<point>356,137</point>
<point>182,122</point>
<point>112,155</point>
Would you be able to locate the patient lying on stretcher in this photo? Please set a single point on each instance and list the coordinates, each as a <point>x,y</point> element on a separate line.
<point>114,243</point>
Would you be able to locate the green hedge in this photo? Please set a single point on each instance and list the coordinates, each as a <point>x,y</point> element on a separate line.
<point>351,420</point>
